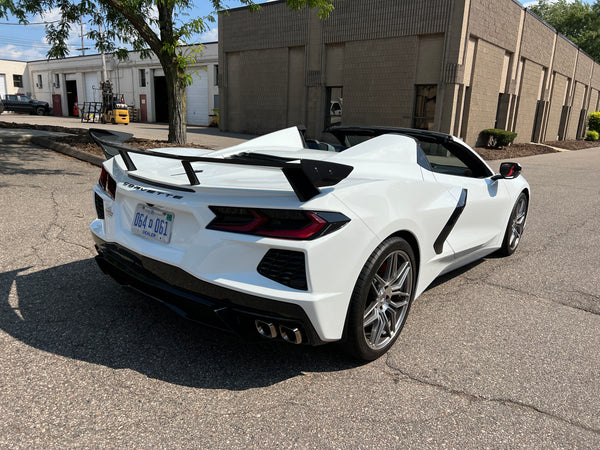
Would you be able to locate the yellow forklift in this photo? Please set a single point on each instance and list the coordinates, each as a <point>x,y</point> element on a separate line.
<point>114,108</point>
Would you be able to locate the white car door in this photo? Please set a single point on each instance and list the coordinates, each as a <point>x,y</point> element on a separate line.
<point>482,209</point>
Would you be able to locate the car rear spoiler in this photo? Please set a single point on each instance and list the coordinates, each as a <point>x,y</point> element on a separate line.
<point>305,176</point>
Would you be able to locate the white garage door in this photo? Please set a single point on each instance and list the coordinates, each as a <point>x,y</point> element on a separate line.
<point>197,99</point>
<point>91,82</point>
<point>2,85</point>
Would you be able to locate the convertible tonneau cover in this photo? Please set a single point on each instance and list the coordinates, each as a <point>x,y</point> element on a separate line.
<point>304,175</point>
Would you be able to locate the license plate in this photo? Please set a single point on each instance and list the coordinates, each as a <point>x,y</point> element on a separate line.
<point>153,223</point>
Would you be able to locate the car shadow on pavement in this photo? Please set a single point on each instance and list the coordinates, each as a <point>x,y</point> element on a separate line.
<point>76,311</point>
<point>9,166</point>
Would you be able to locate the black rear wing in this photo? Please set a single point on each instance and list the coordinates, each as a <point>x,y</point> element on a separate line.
<point>304,175</point>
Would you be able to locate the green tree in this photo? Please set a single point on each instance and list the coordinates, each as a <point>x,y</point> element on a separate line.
<point>578,21</point>
<point>162,27</point>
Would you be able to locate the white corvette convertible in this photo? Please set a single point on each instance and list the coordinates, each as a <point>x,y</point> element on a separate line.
<point>276,238</point>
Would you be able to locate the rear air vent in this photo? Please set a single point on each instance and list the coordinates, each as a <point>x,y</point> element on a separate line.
<point>99,203</point>
<point>286,267</point>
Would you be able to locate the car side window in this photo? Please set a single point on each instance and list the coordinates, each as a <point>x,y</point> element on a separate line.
<point>442,160</point>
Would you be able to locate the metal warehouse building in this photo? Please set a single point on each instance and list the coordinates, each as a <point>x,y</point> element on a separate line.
<point>456,66</point>
<point>68,83</point>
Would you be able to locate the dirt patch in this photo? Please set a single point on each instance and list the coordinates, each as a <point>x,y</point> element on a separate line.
<point>513,151</point>
<point>84,142</point>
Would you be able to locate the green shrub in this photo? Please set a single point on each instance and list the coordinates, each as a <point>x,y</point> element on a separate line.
<point>594,121</point>
<point>495,138</point>
<point>592,135</point>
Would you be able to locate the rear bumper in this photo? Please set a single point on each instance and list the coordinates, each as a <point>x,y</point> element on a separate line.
<point>199,300</point>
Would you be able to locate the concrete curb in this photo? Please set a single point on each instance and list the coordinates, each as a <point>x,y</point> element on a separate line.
<point>67,150</point>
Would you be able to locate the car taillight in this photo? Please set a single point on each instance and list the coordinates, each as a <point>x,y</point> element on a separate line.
<point>108,183</point>
<point>276,223</point>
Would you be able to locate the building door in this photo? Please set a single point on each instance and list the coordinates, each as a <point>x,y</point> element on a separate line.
<point>197,100</point>
<point>56,105</point>
<point>93,93</point>
<point>2,85</point>
<point>71,86</point>
<point>143,108</point>
<point>161,109</point>
<point>424,113</point>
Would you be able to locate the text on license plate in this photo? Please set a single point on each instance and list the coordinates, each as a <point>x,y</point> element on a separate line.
<point>153,223</point>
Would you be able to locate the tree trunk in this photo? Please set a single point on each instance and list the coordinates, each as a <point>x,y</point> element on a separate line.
<point>176,103</point>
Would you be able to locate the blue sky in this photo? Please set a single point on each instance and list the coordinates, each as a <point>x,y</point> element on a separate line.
<point>27,42</point>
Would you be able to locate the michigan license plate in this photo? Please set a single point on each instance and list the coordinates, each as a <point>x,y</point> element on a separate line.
<point>153,223</point>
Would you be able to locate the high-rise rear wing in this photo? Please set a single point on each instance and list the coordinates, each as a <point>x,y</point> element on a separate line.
<point>305,176</point>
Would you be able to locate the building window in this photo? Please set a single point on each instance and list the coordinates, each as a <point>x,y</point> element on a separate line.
<point>57,80</point>
<point>39,83</point>
<point>425,98</point>
<point>142,77</point>
<point>216,101</point>
<point>216,74</point>
<point>18,81</point>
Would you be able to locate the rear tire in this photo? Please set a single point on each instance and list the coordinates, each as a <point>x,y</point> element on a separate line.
<point>381,300</point>
<point>515,227</point>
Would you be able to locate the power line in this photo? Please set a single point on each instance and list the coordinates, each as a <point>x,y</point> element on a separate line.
<point>30,23</point>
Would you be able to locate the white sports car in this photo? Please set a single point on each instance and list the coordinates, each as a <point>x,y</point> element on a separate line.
<point>276,238</point>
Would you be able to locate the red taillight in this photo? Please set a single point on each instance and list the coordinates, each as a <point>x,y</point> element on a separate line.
<point>276,223</point>
<point>108,183</point>
<point>103,177</point>
<point>312,228</point>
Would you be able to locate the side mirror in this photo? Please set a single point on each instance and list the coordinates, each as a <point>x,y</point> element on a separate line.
<point>508,171</point>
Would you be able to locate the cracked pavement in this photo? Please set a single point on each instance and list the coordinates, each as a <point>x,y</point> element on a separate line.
<point>503,353</point>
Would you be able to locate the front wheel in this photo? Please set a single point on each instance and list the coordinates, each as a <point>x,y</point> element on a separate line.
<point>40,111</point>
<point>516,226</point>
<point>381,300</point>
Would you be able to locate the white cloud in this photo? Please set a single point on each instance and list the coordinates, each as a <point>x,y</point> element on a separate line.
<point>50,15</point>
<point>211,35</point>
<point>16,53</point>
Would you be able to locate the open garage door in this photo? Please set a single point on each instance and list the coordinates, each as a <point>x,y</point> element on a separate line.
<point>197,99</point>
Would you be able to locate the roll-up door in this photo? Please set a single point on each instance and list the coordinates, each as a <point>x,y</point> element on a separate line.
<point>2,86</point>
<point>91,82</point>
<point>197,99</point>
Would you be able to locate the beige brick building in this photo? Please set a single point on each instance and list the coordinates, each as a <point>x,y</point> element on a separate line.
<point>457,66</point>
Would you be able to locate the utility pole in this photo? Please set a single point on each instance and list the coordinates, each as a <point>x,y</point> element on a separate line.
<point>104,73</point>
<point>82,49</point>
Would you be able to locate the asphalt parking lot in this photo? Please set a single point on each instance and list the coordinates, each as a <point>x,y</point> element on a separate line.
<point>504,353</point>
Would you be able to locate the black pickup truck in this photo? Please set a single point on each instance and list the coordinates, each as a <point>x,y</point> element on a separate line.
<point>23,104</point>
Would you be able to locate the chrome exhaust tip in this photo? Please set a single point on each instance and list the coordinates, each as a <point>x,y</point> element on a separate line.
<point>291,335</point>
<point>266,329</point>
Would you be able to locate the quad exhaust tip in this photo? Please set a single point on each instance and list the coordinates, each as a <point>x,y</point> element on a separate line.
<point>266,329</point>
<point>291,335</point>
<point>270,330</point>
